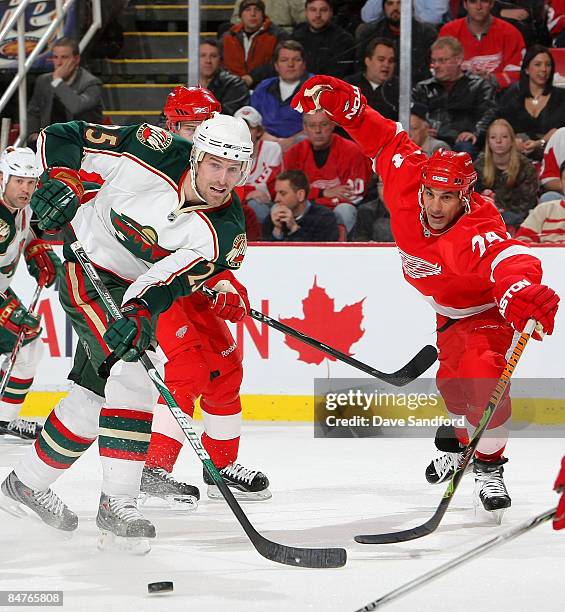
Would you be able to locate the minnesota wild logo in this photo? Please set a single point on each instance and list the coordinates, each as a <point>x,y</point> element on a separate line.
<point>5,230</point>
<point>140,240</point>
<point>236,254</point>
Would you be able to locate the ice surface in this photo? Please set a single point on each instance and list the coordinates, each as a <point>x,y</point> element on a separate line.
<point>324,493</point>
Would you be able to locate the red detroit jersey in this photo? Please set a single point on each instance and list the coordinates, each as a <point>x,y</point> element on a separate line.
<point>460,271</point>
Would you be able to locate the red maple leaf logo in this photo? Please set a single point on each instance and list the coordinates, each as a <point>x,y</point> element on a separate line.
<point>339,329</point>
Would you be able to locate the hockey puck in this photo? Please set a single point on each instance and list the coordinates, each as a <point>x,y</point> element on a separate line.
<point>159,587</point>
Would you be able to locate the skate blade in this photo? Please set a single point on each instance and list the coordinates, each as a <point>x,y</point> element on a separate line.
<point>108,541</point>
<point>11,506</point>
<point>244,496</point>
<point>488,516</point>
<point>176,503</point>
<point>10,440</point>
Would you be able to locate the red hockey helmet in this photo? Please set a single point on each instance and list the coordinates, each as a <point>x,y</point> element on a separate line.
<point>449,171</point>
<point>190,104</point>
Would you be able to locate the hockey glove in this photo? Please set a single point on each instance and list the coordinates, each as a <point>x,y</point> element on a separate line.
<point>131,336</point>
<point>343,102</point>
<point>56,202</point>
<point>231,303</point>
<point>559,519</point>
<point>15,318</point>
<point>42,262</point>
<point>523,301</point>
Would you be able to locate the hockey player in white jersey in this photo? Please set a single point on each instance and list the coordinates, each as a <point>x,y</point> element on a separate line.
<point>18,179</point>
<point>163,223</point>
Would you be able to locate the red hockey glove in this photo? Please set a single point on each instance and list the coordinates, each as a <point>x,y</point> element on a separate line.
<point>523,301</point>
<point>343,102</point>
<point>42,262</point>
<point>15,317</point>
<point>231,303</point>
<point>131,336</point>
<point>559,518</point>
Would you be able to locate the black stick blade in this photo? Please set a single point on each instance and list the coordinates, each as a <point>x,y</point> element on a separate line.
<point>409,534</point>
<point>395,536</point>
<point>421,362</point>
<point>302,557</point>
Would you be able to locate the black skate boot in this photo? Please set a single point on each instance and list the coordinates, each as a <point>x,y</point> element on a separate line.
<point>245,484</point>
<point>122,526</point>
<point>46,504</point>
<point>157,482</point>
<point>20,428</point>
<point>443,466</point>
<point>489,487</point>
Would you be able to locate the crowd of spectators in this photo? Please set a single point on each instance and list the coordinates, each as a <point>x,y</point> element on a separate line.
<point>482,82</point>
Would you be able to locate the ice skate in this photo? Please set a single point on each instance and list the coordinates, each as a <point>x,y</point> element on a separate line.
<point>122,526</point>
<point>442,467</point>
<point>157,482</point>
<point>490,490</point>
<point>20,428</point>
<point>245,484</point>
<point>16,496</point>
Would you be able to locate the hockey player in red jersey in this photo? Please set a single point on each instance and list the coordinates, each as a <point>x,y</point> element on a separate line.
<point>455,251</point>
<point>559,519</point>
<point>203,361</point>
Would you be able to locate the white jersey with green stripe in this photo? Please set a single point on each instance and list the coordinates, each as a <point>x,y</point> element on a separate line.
<point>139,226</point>
<point>15,233</point>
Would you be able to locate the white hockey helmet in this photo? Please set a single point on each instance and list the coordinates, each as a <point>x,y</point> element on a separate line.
<point>223,136</point>
<point>18,161</point>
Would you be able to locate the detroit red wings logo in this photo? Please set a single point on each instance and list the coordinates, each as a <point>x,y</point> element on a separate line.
<point>415,267</point>
<point>153,137</point>
<point>236,254</point>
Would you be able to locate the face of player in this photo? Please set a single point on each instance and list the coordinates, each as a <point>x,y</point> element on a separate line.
<point>478,10</point>
<point>318,14</point>
<point>290,66</point>
<point>539,69</point>
<point>391,9</point>
<point>18,192</point>
<point>380,66</point>
<point>318,129</point>
<point>286,196</point>
<point>442,207</point>
<point>418,130</point>
<point>209,61</point>
<point>500,140</point>
<point>216,178</point>
<point>446,66</point>
<point>252,18</point>
<point>186,129</point>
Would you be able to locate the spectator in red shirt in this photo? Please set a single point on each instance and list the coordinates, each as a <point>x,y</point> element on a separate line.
<point>492,47</point>
<point>336,168</point>
<point>259,190</point>
<point>248,46</point>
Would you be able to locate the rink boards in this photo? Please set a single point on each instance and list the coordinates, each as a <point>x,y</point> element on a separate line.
<point>351,296</point>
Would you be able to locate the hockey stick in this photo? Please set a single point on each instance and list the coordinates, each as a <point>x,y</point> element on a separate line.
<point>18,343</point>
<point>431,525</point>
<point>288,555</point>
<point>412,370</point>
<point>424,579</point>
